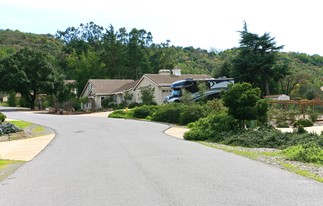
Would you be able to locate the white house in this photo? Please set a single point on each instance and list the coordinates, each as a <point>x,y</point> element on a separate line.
<point>162,82</point>
<point>98,89</point>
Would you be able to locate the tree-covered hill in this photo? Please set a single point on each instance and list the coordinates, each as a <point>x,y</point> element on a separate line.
<point>12,41</point>
<point>93,51</point>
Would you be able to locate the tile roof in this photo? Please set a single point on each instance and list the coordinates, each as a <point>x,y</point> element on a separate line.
<point>127,86</point>
<point>110,86</point>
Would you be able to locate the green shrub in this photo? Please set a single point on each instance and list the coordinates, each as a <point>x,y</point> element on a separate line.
<point>108,102</point>
<point>121,114</point>
<point>211,127</point>
<point>282,125</point>
<point>179,113</point>
<point>168,113</point>
<point>309,152</point>
<point>300,129</point>
<point>144,111</point>
<point>215,105</point>
<point>292,114</point>
<point>264,137</point>
<point>191,113</point>
<point>314,116</point>
<point>2,117</point>
<point>134,104</point>
<point>303,122</point>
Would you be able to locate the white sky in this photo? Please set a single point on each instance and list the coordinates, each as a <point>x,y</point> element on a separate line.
<point>297,24</point>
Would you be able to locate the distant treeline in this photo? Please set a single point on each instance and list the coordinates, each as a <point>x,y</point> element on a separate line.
<point>92,51</point>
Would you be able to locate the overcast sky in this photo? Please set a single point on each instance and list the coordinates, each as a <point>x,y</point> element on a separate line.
<point>297,24</point>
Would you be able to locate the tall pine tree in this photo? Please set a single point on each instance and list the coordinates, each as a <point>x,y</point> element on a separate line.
<point>256,59</point>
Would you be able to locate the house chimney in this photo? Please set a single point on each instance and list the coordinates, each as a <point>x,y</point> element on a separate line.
<point>164,72</point>
<point>177,71</point>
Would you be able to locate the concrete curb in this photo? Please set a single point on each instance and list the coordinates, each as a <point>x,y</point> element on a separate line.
<point>176,131</point>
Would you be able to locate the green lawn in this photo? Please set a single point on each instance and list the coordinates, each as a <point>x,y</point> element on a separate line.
<point>6,163</point>
<point>8,166</point>
<point>21,124</point>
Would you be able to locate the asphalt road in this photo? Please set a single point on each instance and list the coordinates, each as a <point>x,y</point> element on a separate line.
<point>100,161</point>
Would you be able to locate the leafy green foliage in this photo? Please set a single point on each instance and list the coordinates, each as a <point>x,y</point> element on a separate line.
<point>191,113</point>
<point>179,113</point>
<point>147,96</point>
<point>303,122</point>
<point>107,102</point>
<point>262,111</point>
<point>214,127</point>
<point>144,111</point>
<point>267,138</point>
<point>83,67</point>
<point>30,73</point>
<point>282,125</point>
<point>91,51</point>
<point>256,59</point>
<point>121,114</point>
<point>13,41</point>
<point>244,103</point>
<point>309,152</point>
<point>167,113</point>
<point>2,117</point>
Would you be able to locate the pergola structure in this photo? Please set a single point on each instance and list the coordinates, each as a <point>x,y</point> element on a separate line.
<point>301,103</point>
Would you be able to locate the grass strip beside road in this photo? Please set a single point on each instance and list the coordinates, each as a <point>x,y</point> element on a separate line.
<point>272,157</point>
<point>21,124</point>
<point>7,167</point>
<point>30,129</point>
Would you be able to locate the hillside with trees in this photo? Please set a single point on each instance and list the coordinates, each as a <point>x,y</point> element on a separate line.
<point>92,51</point>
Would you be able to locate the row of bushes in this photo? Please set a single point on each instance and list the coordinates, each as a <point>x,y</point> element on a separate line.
<point>221,128</point>
<point>171,113</point>
<point>297,123</point>
<point>211,122</point>
<point>178,113</point>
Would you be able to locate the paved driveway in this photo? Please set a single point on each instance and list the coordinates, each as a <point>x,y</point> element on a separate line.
<point>100,161</point>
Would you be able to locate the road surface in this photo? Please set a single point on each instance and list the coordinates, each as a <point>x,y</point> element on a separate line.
<point>101,161</point>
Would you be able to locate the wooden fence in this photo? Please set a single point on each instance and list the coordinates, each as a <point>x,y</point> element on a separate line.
<point>302,104</point>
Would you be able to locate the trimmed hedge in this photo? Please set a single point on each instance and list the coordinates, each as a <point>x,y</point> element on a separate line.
<point>303,122</point>
<point>214,126</point>
<point>179,113</point>
<point>144,111</point>
<point>169,113</point>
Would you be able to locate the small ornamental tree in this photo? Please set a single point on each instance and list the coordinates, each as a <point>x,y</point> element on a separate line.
<point>147,96</point>
<point>241,99</point>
